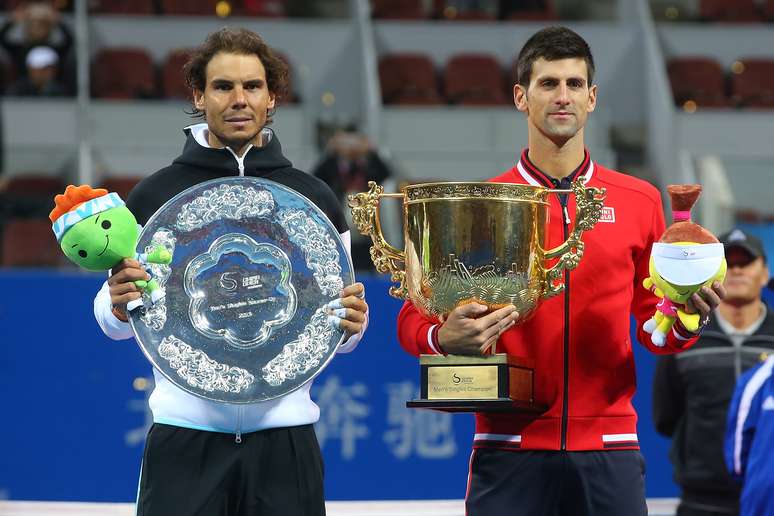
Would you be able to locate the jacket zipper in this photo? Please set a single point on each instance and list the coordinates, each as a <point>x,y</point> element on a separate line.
<point>238,432</point>
<point>563,200</point>
<point>241,165</point>
<point>748,342</point>
<point>241,161</point>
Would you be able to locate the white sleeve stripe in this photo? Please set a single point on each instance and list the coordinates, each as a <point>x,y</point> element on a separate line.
<point>750,390</point>
<point>497,437</point>
<point>615,438</point>
<point>430,340</point>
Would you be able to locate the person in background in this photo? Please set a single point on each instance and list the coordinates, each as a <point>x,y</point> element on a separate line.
<point>40,25</point>
<point>350,162</point>
<point>750,439</point>
<point>692,390</point>
<point>41,78</point>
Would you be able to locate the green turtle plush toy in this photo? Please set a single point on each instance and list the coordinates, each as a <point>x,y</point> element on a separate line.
<point>96,231</point>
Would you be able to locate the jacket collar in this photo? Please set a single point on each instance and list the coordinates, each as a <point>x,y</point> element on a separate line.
<point>537,177</point>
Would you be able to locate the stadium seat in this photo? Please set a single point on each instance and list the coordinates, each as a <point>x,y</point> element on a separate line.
<point>736,11</point>
<point>263,8</point>
<point>697,79</point>
<point>123,73</point>
<point>768,10</point>
<point>35,185</point>
<point>754,85</point>
<point>30,243</point>
<point>528,10</point>
<point>121,185</point>
<point>7,73</point>
<point>474,79</point>
<point>122,6</point>
<point>452,13</point>
<point>189,7</point>
<point>408,79</point>
<point>398,9</point>
<point>172,80</point>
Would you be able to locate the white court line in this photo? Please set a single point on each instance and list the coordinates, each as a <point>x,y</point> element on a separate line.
<point>656,507</point>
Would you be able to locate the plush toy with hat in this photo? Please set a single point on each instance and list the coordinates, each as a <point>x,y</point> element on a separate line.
<point>686,258</point>
<point>96,231</point>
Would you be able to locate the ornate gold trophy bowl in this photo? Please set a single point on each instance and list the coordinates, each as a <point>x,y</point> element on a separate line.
<point>476,242</point>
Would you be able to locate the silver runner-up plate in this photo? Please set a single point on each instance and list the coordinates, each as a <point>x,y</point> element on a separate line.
<point>244,317</point>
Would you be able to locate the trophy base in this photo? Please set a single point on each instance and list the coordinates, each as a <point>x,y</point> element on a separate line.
<point>498,405</point>
<point>495,383</point>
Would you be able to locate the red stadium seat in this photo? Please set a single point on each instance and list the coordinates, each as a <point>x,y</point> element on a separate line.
<point>697,79</point>
<point>123,73</point>
<point>398,9</point>
<point>35,185</point>
<point>120,185</point>
<point>7,73</point>
<point>30,243</point>
<point>754,85</point>
<point>122,6</point>
<point>768,10</point>
<point>263,8</point>
<point>736,11</point>
<point>172,80</point>
<point>535,10</point>
<point>408,79</point>
<point>189,7</point>
<point>453,14</point>
<point>474,79</point>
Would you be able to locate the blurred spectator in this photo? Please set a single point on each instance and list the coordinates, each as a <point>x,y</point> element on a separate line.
<point>40,26</point>
<point>692,390</point>
<point>349,164</point>
<point>41,78</point>
<point>750,439</point>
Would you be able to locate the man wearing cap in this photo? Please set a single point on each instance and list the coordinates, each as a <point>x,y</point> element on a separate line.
<point>40,80</point>
<point>692,390</point>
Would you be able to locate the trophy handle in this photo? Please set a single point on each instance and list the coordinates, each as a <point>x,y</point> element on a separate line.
<point>589,202</point>
<point>386,258</point>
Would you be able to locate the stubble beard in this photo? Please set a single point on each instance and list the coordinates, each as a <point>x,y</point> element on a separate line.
<point>236,144</point>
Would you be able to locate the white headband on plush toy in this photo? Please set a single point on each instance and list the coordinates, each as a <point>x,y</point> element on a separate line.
<point>84,211</point>
<point>687,264</point>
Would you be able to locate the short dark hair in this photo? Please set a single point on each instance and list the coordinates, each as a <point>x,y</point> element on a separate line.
<point>236,41</point>
<point>552,44</point>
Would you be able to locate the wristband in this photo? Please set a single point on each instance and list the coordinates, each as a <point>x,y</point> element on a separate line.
<point>434,339</point>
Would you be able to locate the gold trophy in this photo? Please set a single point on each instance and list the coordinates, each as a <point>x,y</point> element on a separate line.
<point>475,242</point>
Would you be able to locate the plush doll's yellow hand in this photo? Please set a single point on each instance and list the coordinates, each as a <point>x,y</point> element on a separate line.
<point>650,285</point>
<point>690,321</point>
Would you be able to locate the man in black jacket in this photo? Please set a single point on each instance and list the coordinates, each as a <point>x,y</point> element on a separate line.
<point>692,390</point>
<point>205,458</point>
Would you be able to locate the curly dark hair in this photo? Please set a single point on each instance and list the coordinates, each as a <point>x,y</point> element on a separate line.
<point>552,44</point>
<point>236,41</point>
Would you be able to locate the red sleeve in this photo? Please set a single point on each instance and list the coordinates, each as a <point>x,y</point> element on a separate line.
<point>644,301</point>
<point>416,333</point>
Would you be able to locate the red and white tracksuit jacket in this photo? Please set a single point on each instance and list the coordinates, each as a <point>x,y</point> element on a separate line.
<point>579,340</point>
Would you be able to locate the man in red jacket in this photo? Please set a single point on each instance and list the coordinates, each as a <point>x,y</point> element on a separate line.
<point>580,457</point>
